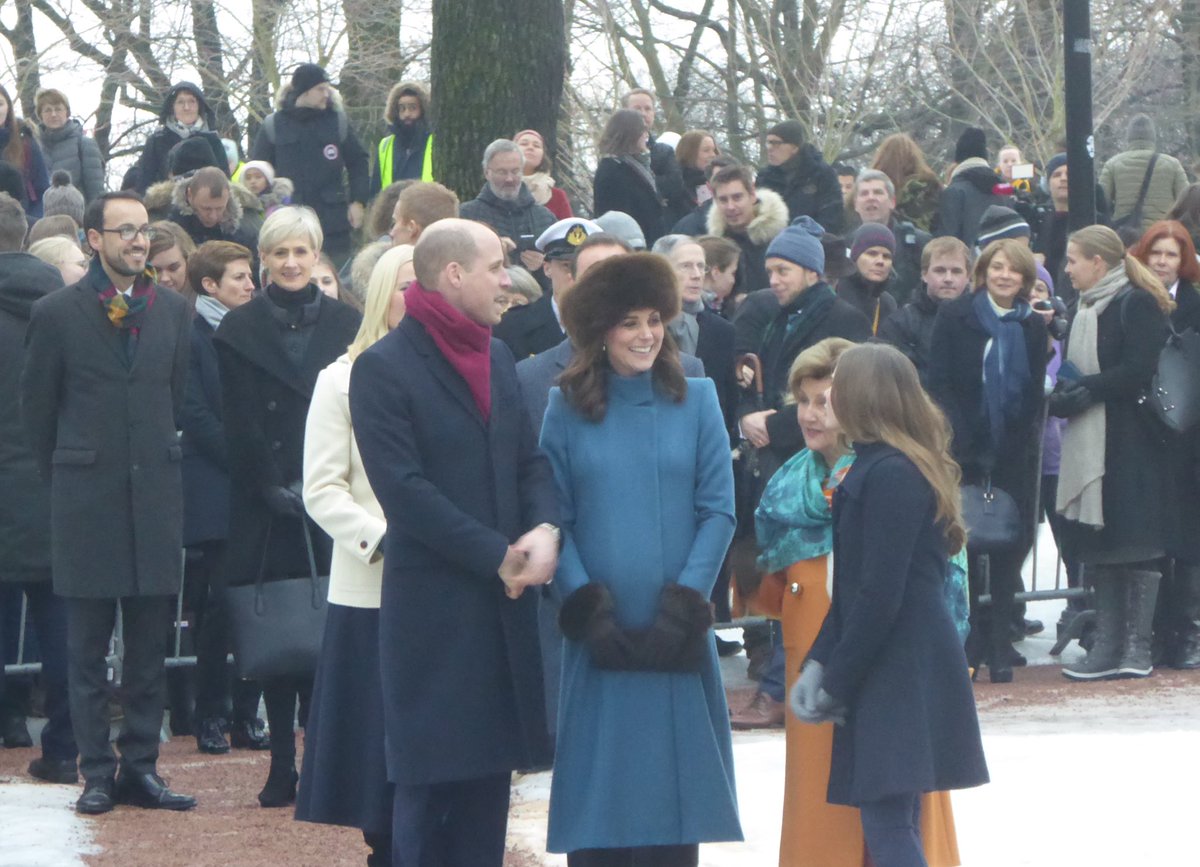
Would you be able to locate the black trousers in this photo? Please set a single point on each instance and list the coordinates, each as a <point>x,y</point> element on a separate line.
<point>640,856</point>
<point>218,692</point>
<point>458,824</point>
<point>90,623</point>
<point>48,617</point>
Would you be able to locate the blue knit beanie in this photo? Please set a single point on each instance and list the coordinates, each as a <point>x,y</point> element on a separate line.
<point>871,235</point>
<point>800,243</point>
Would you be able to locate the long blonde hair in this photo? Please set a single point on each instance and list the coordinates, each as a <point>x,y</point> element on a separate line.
<point>877,397</point>
<point>378,302</point>
<point>1102,241</point>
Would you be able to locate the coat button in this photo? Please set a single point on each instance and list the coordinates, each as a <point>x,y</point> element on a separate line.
<point>362,545</point>
<point>276,445</point>
<point>271,405</point>
<point>796,589</point>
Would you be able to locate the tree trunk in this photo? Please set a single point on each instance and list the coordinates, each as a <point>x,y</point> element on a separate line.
<point>264,81</point>
<point>1189,50</point>
<point>498,67</point>
<point>24,48</point>
<point>374,63</point>
<point>210,61</point>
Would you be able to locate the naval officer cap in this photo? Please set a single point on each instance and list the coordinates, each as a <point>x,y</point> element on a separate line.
<point>562,239</point>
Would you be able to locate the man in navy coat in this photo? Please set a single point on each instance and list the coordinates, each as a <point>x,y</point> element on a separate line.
<point>472,523</point>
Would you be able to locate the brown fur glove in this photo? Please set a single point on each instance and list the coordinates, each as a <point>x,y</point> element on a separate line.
<point>587,617</point>
<point>678,641</point>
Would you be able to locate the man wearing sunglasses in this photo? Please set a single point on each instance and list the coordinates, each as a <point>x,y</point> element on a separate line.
<point>106,368</point>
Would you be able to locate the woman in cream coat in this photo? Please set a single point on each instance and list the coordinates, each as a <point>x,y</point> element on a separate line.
<point>344,779</point>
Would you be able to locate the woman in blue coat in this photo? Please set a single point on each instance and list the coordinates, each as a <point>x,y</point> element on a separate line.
<point>644,766</point>
<point>888,666</point>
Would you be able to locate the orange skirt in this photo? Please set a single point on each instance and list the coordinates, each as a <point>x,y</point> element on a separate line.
<point>815,832</point>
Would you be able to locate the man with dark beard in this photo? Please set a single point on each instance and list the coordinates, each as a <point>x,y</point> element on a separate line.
<point>406,152</point>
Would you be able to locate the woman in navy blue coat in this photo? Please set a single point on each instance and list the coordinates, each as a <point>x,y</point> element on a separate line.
<point>643,770</point>
<point>888,665</point>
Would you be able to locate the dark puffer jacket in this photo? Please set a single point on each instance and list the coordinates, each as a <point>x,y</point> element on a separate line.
<point>809,186</point>
<point>910,329</point>
<point>522,216</point>
<point>69,150</point>
<point>972,191</point>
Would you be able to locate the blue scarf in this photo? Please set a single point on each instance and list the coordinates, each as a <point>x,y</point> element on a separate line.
<point>1006,364</point>
<point>794,522</point>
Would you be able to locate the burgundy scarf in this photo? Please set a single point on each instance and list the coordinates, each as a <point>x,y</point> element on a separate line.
<point>465,344</point>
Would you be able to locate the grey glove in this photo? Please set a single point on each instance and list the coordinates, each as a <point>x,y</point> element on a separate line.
<point>829,708</point>
<point>804,691</point>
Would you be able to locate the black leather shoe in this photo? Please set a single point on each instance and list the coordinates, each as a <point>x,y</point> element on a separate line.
<point>54,770</point>
<point>149,791</point>
<point>15,733</point>
<point>210,738</point>
<point>97,797</point>
<point>249,734</point>
<point>728,648</point>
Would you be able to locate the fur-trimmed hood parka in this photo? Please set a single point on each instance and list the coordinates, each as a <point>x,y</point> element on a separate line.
<point>770,218</point>
<point>234,210</point>
<point>608,291</point>
<point>160,198</point>
<point>406,88</point>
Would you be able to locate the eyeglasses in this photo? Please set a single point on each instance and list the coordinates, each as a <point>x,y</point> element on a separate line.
<point>128,233</point>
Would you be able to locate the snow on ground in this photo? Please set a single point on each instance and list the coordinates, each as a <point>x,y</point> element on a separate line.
<point>38,825</point>
<point>1097,776</point>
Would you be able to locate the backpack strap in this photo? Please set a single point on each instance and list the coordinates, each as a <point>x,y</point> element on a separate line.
<point>1136,213</point>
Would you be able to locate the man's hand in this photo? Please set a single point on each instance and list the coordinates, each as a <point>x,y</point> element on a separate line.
<point>354,214</point>
<point>510,572</point>
<point>754,427</point>
<point>532,259</point>
<point>507,244</point>
<point>540,546</point>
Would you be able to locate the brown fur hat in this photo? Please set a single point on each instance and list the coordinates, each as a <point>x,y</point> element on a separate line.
<point>615,286</point>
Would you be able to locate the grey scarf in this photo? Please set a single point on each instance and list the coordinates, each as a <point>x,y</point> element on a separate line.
<point>640,163</point>
<point>183,131</point>
<point>212,310</point>
<point>1081,473</point>
<point>685,327</point>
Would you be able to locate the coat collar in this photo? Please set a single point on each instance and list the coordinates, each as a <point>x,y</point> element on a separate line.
<point>256,335</point>
<point>867,455</point>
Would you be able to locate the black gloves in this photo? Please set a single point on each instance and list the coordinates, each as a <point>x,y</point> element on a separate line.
<point>678,640</point>
<point>1069,399</point>
<point>283,502</point>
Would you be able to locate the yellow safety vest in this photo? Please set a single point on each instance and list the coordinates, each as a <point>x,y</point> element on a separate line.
<point>385,160</point>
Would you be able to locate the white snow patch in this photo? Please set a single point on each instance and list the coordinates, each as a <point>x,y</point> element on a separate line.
<point>39,826</point>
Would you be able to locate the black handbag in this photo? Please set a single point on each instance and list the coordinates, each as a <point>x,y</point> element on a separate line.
<point>1174,394</point>
<point>277,625</point>
<point>992,518</point>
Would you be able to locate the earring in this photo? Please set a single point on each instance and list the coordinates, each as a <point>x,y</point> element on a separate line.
<point>604,347</point>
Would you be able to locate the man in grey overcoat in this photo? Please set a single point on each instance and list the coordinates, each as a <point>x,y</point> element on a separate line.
<point>105,372</point>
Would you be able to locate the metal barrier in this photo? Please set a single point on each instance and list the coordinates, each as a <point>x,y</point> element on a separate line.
<point>177,660</point>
